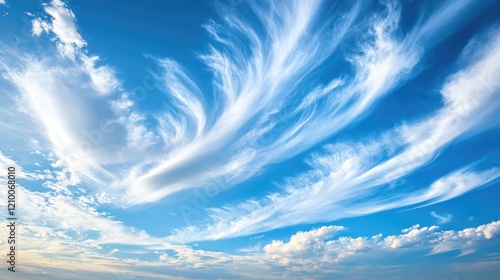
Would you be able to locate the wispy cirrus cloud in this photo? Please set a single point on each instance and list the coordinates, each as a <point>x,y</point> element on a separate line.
<point>75,106</point>
<point>348,174</point>
<point>249,94</point>
<point>265,104</point>
<point>281,83</point>
<point>442,219</point>
<point>265,108</point>
<point>193,142</point>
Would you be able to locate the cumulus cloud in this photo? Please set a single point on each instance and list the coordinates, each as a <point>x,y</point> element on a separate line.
<point>301,244</point>
<point>316,249</point>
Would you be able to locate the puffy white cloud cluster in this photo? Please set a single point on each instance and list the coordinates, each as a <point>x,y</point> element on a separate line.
<point>63,26</point>
<point>316,248</point>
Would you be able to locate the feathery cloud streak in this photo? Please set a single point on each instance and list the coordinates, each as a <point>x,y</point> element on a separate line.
<point>76,106</point>
<point>283,78</point>
<point>350,173</point>
<point>264,108</point>
<point>265,102</point>
<point>442,219</point>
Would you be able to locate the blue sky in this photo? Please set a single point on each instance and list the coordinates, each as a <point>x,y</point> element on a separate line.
<point>252,140</point>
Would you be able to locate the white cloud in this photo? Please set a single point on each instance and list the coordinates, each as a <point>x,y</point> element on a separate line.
<point>6,162</point>
<point>257,80</point>
<point>76,258</point>
<point>70,227</point>
<point>304,202</point>
<point>442,219</point>
<point>253,94</point>
<point>72,104</point>
<point>190,137</point>
<point>68,99</point>
<point>80,217</point>
<point>248,91</point>
<point>301,245</point>
<point>72,131</point>
<point>103,77</point>
<point>190,147</point>
<point>316,249</point>
<point>69,42</point>
<point>40,26</point>
<point>194,143</point>
<point>86,240</point>
<point>305,254</point>
<point>349,174</point>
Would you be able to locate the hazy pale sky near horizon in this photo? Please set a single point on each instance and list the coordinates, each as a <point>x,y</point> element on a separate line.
<point>251,139</point>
